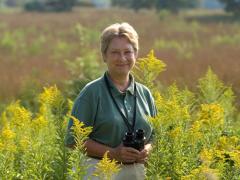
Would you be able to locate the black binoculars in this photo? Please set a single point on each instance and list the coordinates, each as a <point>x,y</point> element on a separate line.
<point>136,140</point>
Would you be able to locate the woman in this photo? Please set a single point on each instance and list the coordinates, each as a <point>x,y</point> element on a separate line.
<point>115,104</point>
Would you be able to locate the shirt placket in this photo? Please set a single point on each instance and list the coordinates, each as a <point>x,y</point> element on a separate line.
<point>128,108</point>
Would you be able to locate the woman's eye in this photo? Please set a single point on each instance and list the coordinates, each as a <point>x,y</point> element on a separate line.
<point>128,52</point>
<point>114,52</point>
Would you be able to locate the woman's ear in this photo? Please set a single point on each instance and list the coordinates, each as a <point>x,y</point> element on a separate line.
<point>136,54</point>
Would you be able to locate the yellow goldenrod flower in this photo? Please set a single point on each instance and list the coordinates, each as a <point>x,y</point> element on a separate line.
<point>211,115</point>
<point>171,112</point>
<point>8,137</point>
<point>18,115</point>
<point>195,133</point>
<point>80,132</point>
<point>175,132</point>
<point>158,99</point>
<point>147,69</point>
<point>235,156</point>
<point>51,96</point>
<point>151,63</point>
<point>226,143</point>
<point>234,140</point>
<point>196,126</point>
<point>39,122</point>
<point>7,133</point>
<point>206,156</point>
<point>219,154</point>
<point>106,168</point>
<point>222,142</point>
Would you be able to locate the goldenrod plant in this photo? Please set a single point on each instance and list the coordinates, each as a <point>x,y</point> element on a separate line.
<point>188,127</point>
<point>195,134</point>
<point>78,160</point>
<point>148,68</point>
<point>107,168</point>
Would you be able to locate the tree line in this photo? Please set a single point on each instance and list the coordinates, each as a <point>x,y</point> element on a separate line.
<point>174,5</point>
<point>67,5</point>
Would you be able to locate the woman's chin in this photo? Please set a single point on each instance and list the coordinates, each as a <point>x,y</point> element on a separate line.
<point>123,73</point>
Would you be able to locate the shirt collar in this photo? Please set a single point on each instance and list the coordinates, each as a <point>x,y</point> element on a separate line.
<point>115,91</point>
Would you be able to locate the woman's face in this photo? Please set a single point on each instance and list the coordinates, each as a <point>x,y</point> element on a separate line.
<point>120,56</point>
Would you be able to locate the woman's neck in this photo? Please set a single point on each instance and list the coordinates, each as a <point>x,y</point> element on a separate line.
<point>121,82</point>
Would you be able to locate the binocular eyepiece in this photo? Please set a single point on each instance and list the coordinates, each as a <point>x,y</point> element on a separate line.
<point>136,140</point>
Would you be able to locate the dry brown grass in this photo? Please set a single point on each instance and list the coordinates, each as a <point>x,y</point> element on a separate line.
<point>223,58</point>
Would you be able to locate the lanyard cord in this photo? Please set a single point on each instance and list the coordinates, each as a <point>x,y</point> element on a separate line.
<point>129,126</point>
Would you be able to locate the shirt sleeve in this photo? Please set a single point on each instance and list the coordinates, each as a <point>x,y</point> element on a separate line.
<point>84,109</point>
<point>152,106</point>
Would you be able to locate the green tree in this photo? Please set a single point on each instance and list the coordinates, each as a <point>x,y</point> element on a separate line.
<point>138,4</point>
<point>50,5</point>
<point>175,5</point>
<point>1,3</point>
<point>232,6</point>
<point>134,4</point>
<point>121,3</point>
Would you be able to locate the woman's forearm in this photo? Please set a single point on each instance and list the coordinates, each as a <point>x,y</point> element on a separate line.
<point>95,149</point>
<point>119,153</point>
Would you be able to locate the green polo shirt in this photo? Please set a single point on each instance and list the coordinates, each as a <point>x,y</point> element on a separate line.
<point>95,107</point>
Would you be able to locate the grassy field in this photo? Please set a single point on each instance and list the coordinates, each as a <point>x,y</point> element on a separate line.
<point>196,134</point>
<point>34,46</point>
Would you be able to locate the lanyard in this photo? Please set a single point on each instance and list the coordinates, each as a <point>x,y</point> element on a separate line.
<point>129,126</point>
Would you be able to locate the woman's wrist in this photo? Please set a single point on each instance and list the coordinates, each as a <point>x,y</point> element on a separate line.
<point>112,153</point>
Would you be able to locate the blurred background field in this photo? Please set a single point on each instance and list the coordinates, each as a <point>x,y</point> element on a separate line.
<point>57,42</point>
<point>39,49</point>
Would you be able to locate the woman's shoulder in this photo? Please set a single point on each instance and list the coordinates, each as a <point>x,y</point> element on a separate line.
<point>143,89</point>
<point>92,88</point>
<point>146,95</point>
<point>95,83</point>
<point>144,92</point>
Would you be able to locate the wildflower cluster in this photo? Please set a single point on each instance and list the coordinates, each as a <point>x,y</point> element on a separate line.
<point>148,68</point>
<point>189,141</point>
<point>195,134</point>
<point>51,96</point>
<point>30,143</point>
<point>106,168</point>
<point>80,132</point>
<point>211,115</point>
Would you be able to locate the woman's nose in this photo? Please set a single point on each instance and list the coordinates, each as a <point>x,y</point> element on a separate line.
<point>122,56</point>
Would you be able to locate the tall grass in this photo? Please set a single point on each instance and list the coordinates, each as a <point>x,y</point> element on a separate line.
<point>37,45</point>
<point>196,134</point>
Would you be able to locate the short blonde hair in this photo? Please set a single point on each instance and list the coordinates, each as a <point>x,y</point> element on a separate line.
<point>118,30</point>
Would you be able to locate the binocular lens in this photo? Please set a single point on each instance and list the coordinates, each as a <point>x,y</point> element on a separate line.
<point>140,133</point>
<point>129,136</point>
<point>135,140</point>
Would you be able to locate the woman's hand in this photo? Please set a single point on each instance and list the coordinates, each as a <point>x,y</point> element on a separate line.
<point>121,153</point>
<point>143,155</point>
<point>125,154</point>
